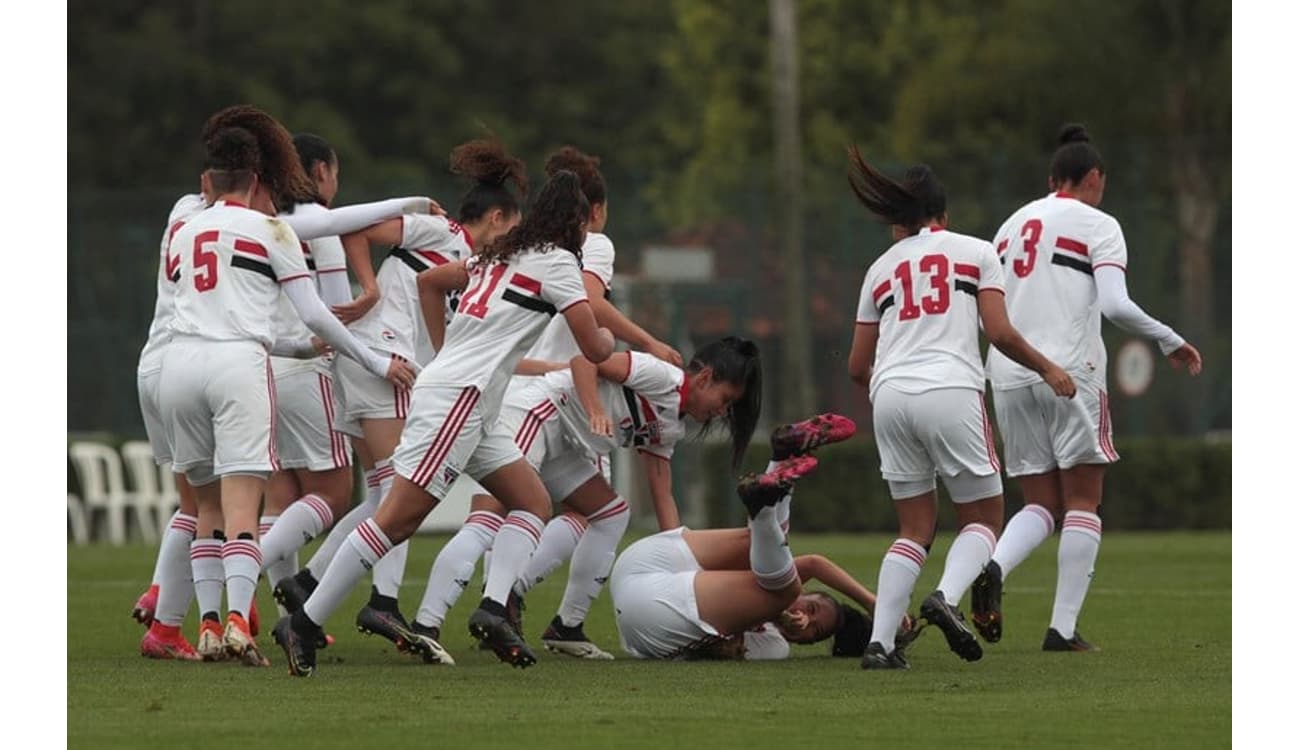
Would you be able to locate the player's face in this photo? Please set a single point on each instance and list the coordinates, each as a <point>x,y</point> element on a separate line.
<point>708,398</point>
<point>809,619</point>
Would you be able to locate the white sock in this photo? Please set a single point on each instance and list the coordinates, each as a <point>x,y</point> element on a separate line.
<point>388,572</point>
<point>769,555</point>
<point>592,561</point>
<point>209,574</point>
<point>560,537</point>
<point>513,547</point>
<point>365,546</point>
<point>174,572</point>
<point>454,567</point>
<point>966,558</point>
<point>1024,532</point>
<point>242,562</point>
<point>300,523</point>
<point>320,561</point>
<point>1080,539</point>
<point>898,573</point>
<point>487,564</point>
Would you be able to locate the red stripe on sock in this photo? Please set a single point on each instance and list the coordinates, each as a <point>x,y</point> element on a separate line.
<point>372,539</point>
<point>905,551</point>
<point>601,516</point>
<point>483,518</point>
<point>578,527</point>
<point>526,526</point>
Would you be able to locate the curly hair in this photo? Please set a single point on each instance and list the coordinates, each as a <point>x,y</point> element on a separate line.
<point>489,167</point>
<point>586,166</point>
<point>281,170</point>
<point>232,160</point>
<point>557,218</point>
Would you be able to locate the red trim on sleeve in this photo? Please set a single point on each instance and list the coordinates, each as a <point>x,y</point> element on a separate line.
<point>997,289</point>
<point>287,279</point>
<point>880,290</point>
<point>582,301</point>
<point>1120,266</point>
<point>868,322</point>
<point>596,276</point>
<point>526,282</point>
<point>1074,246</point>
<point>627,374</point>
<point>966,269</point>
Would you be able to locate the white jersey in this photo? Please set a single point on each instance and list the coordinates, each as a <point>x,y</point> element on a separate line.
<point>505,307</point>
<point>1049,248</point>
<point>321,255</point>
<point>396,323</point>
<point>922,292</point>
<point>647,409</point>
<point>164,307</point>
<point>556,343</point>
<point>232,260</point>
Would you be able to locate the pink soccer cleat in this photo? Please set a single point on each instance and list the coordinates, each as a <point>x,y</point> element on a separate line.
<point>167,642</point>
<point>145,606</point>
<point>799,438</point>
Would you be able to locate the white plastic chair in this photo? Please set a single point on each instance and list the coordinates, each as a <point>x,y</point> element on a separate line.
<point>100,470</point>
<point>150,493</point>
<point>77,517</point>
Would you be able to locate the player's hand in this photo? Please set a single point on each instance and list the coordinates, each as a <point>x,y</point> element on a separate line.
<point>350,312</point>
<point>1060,381</point>
<point>401,373</point>
<point>1186,355</point>
<point>436,209</point>
<point>600,424</point>
<point>322,349</point>
<point>794,620</point>
<point>660,350</point>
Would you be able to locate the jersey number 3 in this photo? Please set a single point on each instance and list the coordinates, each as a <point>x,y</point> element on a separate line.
<point>937,304</point>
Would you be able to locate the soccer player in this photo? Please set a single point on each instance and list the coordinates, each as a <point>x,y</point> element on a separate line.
<point>565,421</point>
<point>513,288</point>
<point>916,345</point>
<point>215,391</point>
<point>1065,265</point>
<point>737,593</point>
<point>396,326</point>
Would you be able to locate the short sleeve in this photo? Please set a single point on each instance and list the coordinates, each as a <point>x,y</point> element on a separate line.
<point>598,258</point>
<point>1002,242</point>
<point>1110,249</point>
<point>328,254</point>
<point>650,375</point>
<point>991,274</point>
<point>562,286</point>
<point>868,312</point>
<point>284,251</point>
<point>424,231</point>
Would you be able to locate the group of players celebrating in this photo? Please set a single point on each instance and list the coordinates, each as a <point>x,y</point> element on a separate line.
<point>485,346</point>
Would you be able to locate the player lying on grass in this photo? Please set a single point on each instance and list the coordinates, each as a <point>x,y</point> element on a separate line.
<point>738,593</point>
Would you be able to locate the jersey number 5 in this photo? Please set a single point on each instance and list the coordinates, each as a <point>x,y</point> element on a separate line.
<point>478,307</point>
<point>937,267</point>
<point>205,261</point>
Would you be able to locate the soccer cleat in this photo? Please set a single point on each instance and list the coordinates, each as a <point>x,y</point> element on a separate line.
<point>759,491</point>
<point>799,438</point>
<point>211,645</point>
<point>948,619</point>
<point>167,642</point>
<point>1054,641</point>
<point>571,641</point>
<point>145,605</point>
<point>424,643</point>
<point>389,625</point>
<point>240,644</point>
<point>299,647</point>
<point>876,658</point>
<point>515,612</point>
<point>490,625</point>
<point>254,621</point>
<point>292,591</point>
<point>986,603</point>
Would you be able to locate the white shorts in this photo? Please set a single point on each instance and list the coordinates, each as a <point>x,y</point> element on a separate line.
<point>342,423</point>
<point>653,590</point>
<point>944,431</point>
<point>305,436</point>
<point>369,396</point>
<point>147,386</point>
<point>1042,431</point>
<point>442,433</point>
<point>217,400</point>
<point>530,428</point>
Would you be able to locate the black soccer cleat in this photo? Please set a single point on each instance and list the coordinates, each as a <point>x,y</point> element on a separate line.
<point>572,641</point>
<point>876,658</point>
<point>489,625</point>
<point>389,625</point>
<point>298,643</point>
<point>986,603</point>
<point>759,491</point>
<point>799,438</point>
<point>293,591</point>
<point>1054,641</point>
<point>949,620</point>
<point>515,612</point>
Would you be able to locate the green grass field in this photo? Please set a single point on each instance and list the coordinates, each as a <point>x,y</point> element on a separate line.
<point>1160,608</point>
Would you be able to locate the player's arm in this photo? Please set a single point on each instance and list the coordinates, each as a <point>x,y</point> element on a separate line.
<point>659,476</point>
<point>621,326</point>
<point>307,348</point>
<point>595,343</point>
<point>302,294</point>
<point>1004,336</point>
<point>356,248</point>
<point>538,367</point>
<point>348,219</point>
<point>819,568</point>
<point>863,354</point>
<point>433,285</point>
<point>1120,309</point>
<point>586,386</point>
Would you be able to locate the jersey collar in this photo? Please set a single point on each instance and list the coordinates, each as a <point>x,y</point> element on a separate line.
<point>682,391</point>
<point>235,204</point>
<point>1063,194</point>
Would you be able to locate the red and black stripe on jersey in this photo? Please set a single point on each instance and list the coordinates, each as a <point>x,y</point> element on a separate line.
<point>419,260</point>
<point>1074,249</point>
<point>248,261</point>
<point>968,277</point>
<point>531,301</point>
<point>881,296</point>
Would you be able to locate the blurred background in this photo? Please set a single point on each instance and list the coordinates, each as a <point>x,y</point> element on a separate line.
<point>722,127</point>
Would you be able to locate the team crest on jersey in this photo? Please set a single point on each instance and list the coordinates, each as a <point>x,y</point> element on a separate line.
<point>387,335</point>
<point>648,433</point>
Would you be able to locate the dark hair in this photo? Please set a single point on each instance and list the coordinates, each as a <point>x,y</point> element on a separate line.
<point>586,166</point>
<point>852,631</point>
<point>919,198</point>
<point>1075,157</point>
<point>556,218</point>
<point>735,360</point>
<point>280,169</point>
<point>312,148</point>
<point>486,163</point>
<point>232,160</point>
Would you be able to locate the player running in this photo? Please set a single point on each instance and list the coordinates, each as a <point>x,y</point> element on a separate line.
<point>916,344</point>
<point>1066,264</point>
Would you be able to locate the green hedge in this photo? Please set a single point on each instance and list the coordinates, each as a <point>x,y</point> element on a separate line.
<point>1159,483</point>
